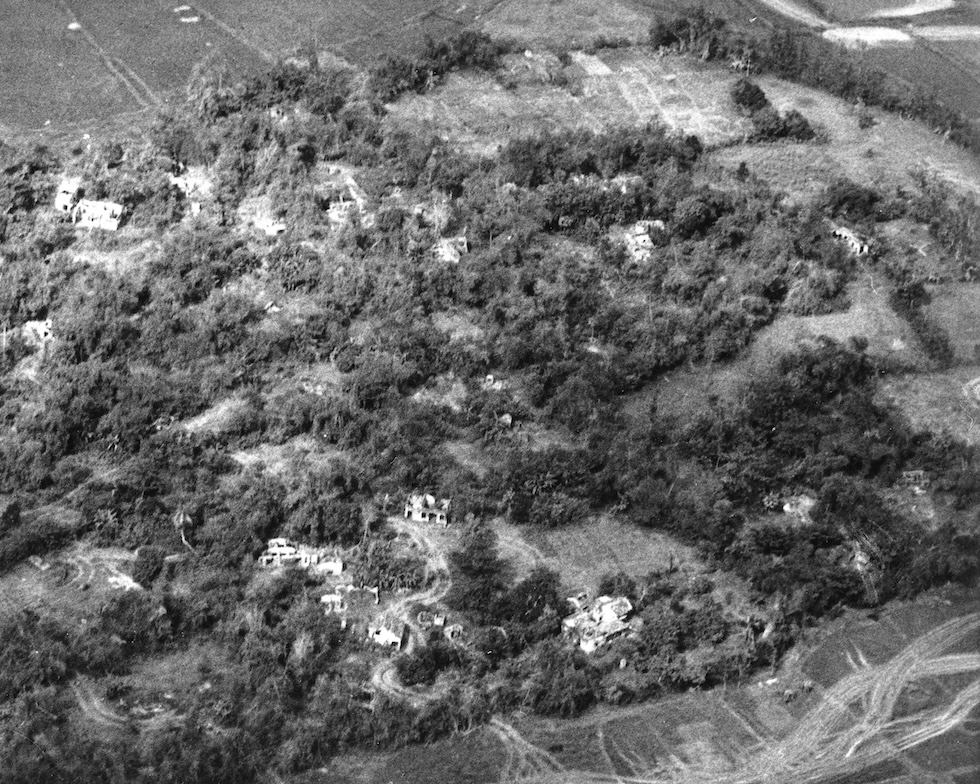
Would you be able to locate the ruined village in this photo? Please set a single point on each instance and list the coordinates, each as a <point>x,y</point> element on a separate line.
<point>499,410</point>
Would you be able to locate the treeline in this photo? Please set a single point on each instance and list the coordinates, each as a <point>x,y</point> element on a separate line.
<point>813,61</point>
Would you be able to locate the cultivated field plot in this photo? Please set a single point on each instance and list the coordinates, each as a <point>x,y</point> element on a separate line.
<point>359,30</point>
<point>930,66</point>
<point>618,88</point>
<point>572,23</point>
<point>869,316</point>
<point>48,72</point>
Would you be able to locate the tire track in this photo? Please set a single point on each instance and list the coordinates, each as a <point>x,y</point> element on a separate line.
<point>852,729</point>
<point>130,80</point>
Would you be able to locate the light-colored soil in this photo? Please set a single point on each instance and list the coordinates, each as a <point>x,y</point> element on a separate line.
<point>217,419</point>
<point>859,37</point>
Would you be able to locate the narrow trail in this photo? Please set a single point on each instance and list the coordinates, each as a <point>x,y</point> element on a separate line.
<point>852,728</point>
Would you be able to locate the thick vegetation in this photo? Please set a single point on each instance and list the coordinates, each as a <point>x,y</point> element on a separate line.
<point>201,343</point>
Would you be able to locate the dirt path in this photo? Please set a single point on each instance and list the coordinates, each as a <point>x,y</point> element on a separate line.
<point>384,677</point>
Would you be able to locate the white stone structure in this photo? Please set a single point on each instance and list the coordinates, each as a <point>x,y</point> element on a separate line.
<point>426,509</point>
<point>597,623</point>
<point>92,214</point>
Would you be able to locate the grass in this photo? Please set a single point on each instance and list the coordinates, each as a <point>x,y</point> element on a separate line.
<point>582,554</point>
<point>938,401</point>
<point>956,308</point>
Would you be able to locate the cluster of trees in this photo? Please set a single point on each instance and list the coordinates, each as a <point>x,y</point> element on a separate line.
<point>769,124</point>
<point>468,49</point>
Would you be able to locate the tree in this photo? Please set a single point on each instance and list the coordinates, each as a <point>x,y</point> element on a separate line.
<point>748,96</point>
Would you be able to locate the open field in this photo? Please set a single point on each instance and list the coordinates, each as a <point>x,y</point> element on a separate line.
<point>74,60</point>
<point>937,68</point>
<point>956,308</point>
<point>582,554</point>
<point>940,401</point>
<point>48,72</point>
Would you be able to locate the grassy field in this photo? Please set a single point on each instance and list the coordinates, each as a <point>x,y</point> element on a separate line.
<point>939,401</point>
<point>48,72</point>
<point>584,553</point>
<point>618,87</point>
<point>956,308</point>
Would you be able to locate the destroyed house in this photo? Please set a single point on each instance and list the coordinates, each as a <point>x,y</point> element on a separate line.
<point>385,636</point>
<point>451,249</point>
<point>104,215</point>
<point>69,192</point>
<point>426,509</point>
<point>281,552</point>
<point>599,622</point>
<point>854,245</point>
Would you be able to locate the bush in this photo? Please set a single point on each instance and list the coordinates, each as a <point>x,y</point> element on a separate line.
<point>748,96</point>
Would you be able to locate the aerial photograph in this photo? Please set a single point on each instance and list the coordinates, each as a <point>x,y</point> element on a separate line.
<point>490,392</point>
